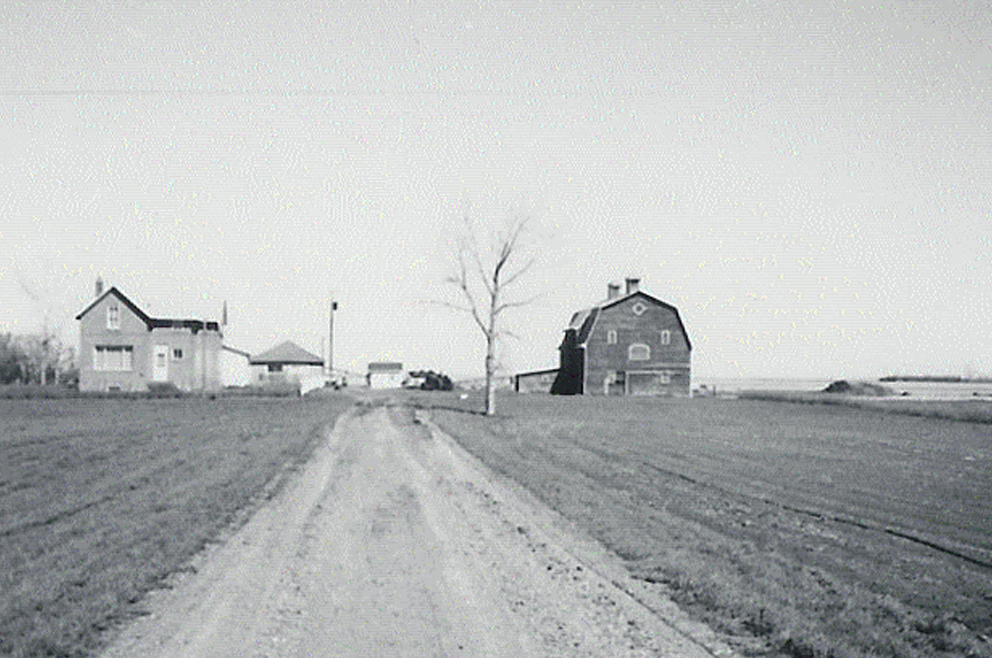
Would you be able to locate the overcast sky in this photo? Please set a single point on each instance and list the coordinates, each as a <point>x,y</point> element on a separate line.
<point>808,181</point>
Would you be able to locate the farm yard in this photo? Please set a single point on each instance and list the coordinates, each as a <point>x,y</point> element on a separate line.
<point>792,529</point>
<point>102,499</point>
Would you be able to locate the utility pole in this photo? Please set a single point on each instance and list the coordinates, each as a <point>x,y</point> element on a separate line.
<point>333,306</point>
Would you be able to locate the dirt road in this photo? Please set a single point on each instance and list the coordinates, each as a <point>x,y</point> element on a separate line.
<point>394,542</point>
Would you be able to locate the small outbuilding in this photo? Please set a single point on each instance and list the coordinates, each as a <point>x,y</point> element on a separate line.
<point>385,374</point>
<point>288,364</point>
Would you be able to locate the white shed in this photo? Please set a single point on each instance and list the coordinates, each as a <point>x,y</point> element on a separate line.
<point>385,374</point>
<point>288,364</point>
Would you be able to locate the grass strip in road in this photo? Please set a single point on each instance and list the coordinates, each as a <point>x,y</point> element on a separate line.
<point>103,499</point>
<point>731,508</point>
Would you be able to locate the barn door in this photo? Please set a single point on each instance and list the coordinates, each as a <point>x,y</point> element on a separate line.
<point>643,383</point>
<point>160,363</point>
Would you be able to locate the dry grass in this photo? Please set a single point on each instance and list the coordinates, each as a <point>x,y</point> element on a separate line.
<point>977,410</point>
<point>101,499</point>
<point>795,530</point>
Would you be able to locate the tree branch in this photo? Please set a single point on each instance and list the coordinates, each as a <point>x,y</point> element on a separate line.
<point>523,270</point>
<point>461,280</point>
<point>518,304</point>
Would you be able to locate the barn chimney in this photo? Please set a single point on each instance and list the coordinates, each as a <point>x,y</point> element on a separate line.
<point>99,286</point>
<point>612,290</point>
<point>632,284</point>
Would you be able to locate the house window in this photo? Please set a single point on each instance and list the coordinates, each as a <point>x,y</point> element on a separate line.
<point>639,352</point>
<point>114,317</point>
<point>665,378</point>
<point>113,357</point>
<point>177,354</point>
<point>611,337</point>
<point>638,308</point>
<point>666,337</point>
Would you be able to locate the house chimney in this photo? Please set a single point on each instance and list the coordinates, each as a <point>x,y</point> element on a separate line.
<point>99,286</point>
<point>612,290</point>
<point>632,284</point>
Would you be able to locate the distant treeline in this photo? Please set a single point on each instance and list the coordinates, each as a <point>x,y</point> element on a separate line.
<point>36,359</point>
<point>943,379</point>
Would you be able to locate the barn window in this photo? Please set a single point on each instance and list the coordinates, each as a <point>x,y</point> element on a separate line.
<point>113,357</point>
<point>611,337</point>
<point>114,317</point>
<point>177,354</point>
<point>638,308</point>
<point>666,337</point>
<point>665,378</point>
<point>639,352</point>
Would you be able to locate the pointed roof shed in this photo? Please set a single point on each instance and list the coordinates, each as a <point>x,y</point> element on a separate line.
<point>287,353</point>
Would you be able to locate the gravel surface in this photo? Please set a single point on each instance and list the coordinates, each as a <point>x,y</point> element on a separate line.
<point>394,542</point>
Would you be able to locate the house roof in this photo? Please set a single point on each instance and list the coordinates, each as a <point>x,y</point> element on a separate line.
<point>287,352</point>
<point>385,366</point>
<point>150,322</point>
<point>583,321</point>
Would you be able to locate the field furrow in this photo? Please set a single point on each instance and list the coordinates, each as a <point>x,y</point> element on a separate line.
<point>796,529</point>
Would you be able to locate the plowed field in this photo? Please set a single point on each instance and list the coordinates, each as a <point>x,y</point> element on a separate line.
<point>794,529</point>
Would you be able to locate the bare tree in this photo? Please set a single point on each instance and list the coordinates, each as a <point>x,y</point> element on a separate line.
<point>43,354</point>
<point>487,262</point>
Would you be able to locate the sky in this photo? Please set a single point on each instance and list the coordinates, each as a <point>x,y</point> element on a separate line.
<point>808,181</point>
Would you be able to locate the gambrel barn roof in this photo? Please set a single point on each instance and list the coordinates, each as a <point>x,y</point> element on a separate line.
<point>583,321</point>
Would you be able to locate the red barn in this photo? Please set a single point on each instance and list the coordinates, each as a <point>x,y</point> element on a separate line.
<point>628,344</point>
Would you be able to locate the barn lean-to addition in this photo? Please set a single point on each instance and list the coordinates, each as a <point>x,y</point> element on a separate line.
<point>628,344</point>
<point>535,381</point>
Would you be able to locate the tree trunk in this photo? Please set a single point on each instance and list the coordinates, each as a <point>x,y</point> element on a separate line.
<point>490,379</point>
